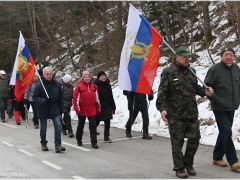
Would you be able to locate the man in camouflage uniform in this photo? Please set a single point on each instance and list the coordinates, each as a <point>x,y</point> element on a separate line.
<point>177,103</point>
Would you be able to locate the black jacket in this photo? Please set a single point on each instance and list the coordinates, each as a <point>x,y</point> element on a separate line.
<point>137,101</point>
<point>54,90</point>
<point>225,83</point>
<point>106,99</point>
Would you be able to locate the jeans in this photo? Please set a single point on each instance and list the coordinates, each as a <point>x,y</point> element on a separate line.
<point>34,108</point>
<point>3,107</point>
<point>57,130</point>
<point>132,117</point>
<point>224,144</point>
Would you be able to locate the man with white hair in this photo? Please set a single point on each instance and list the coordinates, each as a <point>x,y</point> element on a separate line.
<point>4,83</point>
<point>49,98</point>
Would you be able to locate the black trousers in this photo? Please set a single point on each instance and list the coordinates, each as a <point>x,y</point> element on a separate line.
<point>132,118</point>
<point>67,120</point>
<point>106,125</point>
<point>92,128</point>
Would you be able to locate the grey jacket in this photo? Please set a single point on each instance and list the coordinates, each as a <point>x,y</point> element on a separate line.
<point>225,82</point>
<point>4,87</point>
<point>67,93</point>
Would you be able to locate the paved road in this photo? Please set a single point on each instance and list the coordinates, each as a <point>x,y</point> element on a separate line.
<point>22,158</point>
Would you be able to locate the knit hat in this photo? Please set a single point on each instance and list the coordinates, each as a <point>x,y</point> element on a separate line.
<point>101,73</point>
<point>58,74</point>
<point>40,72</point>
<point>2,72</point>
<point>85,73</point>
<point>89,68</point>
<point>66,78</point>
<point>227,49</point>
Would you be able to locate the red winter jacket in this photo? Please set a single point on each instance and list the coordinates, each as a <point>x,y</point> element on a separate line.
<point>85,99</point>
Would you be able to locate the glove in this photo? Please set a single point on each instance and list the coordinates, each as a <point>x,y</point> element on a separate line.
<point>48,101</point>
<point>98,114</point>
<point>113,111</point>
<point>150,97</point>
<point>10,101</point>
<point>79,114</point>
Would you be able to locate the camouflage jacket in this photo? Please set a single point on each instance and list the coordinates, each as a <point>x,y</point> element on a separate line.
<point>177,92</point>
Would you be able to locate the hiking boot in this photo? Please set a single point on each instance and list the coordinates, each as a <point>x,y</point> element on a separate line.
<point>146,136</point>
<point>3,121</point>
<point>71,135</point>
<point>106,137</point>
<point>79,143</point>
<point>220,163</point>
<point>36,126</point>
<point>18,123</point>
<point>97,133</point>
<point>181,173</point>
<point>128,133</point>
<point>58,149</point>
<point>64,132</point>
<point>94,146</point>
<point>191,171</point>
<point>235,166</point>
<point>44,146</point>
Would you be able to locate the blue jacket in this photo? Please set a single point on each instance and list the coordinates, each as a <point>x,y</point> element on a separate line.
<point>54,90</point>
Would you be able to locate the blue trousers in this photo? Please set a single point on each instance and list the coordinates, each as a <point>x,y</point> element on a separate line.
<point>57,130</point>
<point>224,144</point>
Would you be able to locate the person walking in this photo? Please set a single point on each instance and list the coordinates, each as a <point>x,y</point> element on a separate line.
<point>67,87</point>
<point>223,77</point>
<point>49,98</point>
<point>18,104</point>
<point>176,101</point>
<point>107,103</point>
<point>138,102</point>
<point>28,100</point>
<point>4,88</point>
<point>86,104</point>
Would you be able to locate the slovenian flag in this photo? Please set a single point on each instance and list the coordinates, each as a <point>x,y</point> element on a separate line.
<point>23,70</point>
<point>140,54</point>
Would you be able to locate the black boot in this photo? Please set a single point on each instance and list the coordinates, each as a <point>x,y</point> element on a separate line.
<point>106,137</point>
<point>128,133</point>
<point>146,136</point>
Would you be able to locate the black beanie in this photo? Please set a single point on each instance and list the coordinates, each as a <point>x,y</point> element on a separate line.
<point>227,49</point>
<point>101,73</point>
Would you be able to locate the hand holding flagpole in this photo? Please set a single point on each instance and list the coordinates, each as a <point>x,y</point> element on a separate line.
<point>41,82</point>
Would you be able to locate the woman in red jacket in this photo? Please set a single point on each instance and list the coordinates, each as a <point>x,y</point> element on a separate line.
<point>86,104</point>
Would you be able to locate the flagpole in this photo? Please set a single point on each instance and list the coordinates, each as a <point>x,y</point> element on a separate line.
<point>188,67</point>
<point>41,82</point>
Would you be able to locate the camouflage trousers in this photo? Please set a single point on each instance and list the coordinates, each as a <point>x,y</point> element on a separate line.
<point>180,129</point>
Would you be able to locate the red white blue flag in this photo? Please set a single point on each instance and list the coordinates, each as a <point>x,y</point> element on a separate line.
<point>23,70</point>
<point>140,54</point>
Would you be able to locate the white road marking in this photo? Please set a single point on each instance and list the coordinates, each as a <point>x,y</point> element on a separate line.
<point>9,125</point>
<point>25,152</point>
<point>75,146</point>
<point>8,144</point>
<point>51,165</point>
<point>77,177</point>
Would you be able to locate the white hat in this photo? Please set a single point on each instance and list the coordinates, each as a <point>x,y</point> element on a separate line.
<point>2,72</point>
<point>66,78</point>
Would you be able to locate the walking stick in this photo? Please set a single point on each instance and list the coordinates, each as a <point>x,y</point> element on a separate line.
<point>26,114</point>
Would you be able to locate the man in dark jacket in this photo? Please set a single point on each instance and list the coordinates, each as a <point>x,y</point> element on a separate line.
<point>137,102</point>
<point>49,98</point>
<point>67,87</point>
<point>4,83</point>
<point>223,77</point>
<point>177,103</point>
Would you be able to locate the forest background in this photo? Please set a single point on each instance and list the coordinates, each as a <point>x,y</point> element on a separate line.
<point>67,35</point>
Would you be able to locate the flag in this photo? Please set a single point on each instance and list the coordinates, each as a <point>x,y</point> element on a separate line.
<point>140,54</point>
<point>23,69</point>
